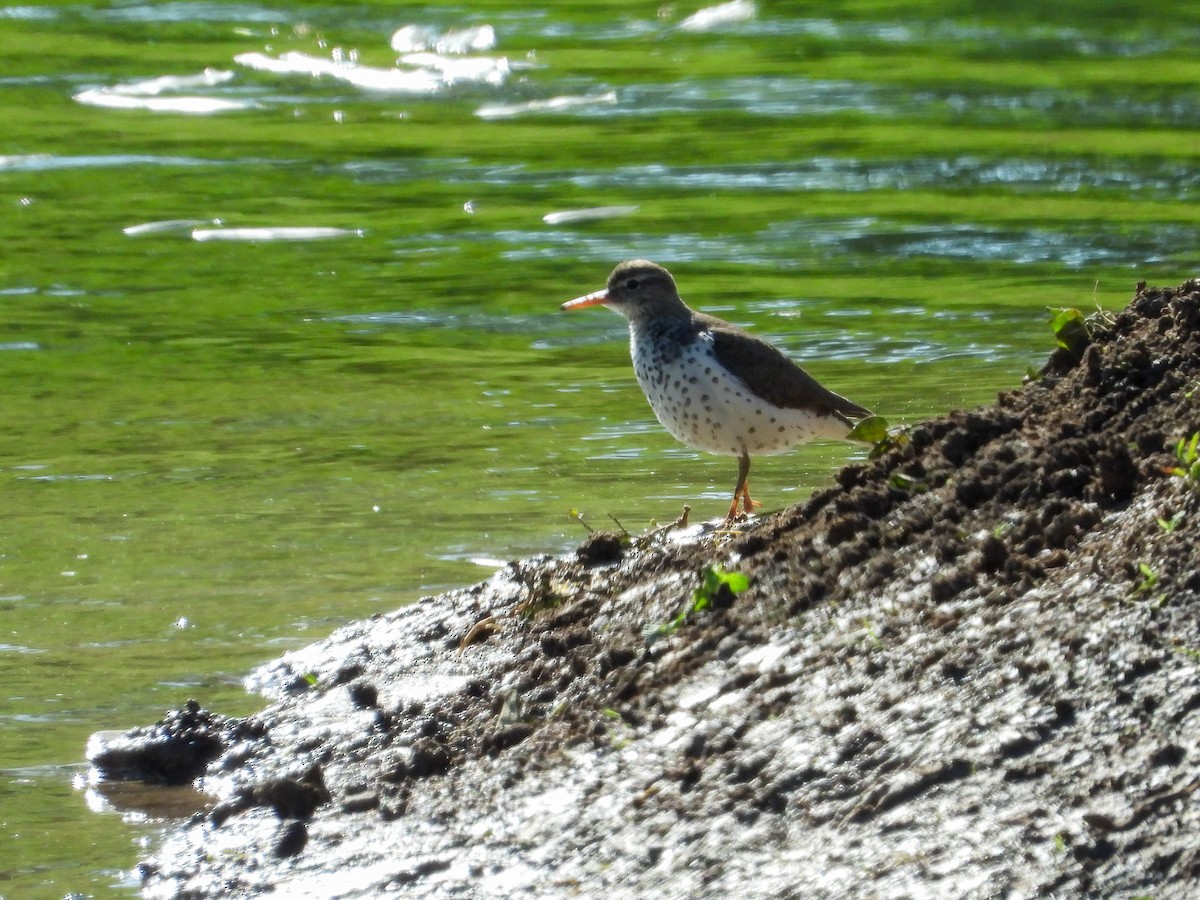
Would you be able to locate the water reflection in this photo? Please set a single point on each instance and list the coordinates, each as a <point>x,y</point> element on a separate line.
<point>1074,248</point>
<point>425,73</point>
<point>801,244</point>
<point>273,233</point>
<point>579,103</point>
<point>1166,178</point>
<point>1153,178</point>
<point>48,162</point>
<point>432,60</point>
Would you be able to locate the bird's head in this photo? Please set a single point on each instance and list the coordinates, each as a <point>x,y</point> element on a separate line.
<point>636,289</point>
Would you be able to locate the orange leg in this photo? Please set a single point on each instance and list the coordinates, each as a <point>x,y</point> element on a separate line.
<point>748,505</point>
<point>741,493</point>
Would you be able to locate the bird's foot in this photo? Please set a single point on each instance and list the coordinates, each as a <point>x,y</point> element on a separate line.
<point>748,505</point>
<point>732,515</point>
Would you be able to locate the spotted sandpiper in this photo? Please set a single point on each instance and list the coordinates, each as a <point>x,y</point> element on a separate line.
<point>712,385</point>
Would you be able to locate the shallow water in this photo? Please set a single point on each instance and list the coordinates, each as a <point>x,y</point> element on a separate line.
<point>280,344</point>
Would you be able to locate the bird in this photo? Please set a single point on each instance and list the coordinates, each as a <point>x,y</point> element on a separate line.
<point>713,385</point>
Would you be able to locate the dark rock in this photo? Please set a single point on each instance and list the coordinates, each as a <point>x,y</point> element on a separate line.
<point>602,548</point>
<point>364,695</point>
<point>360,801</point>
<point>293,797</point>
<point>290,839</point>
<point>174,751</point>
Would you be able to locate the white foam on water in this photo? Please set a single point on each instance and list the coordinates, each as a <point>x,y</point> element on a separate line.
<point>369,77</point>
<point>567,216</point>
<point>273,234</point>
<point>156,94</point>
<point>722,14</point>
<point>430,72</point>
<point>413,38</point>
<point>106,98</point>
<point>168,226</point>
<point>565,103</point>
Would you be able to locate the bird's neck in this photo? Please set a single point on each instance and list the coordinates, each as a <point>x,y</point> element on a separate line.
<point>662,336</point>
<point>661,316</point>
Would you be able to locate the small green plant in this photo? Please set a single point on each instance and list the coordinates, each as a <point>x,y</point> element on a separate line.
<point>872,635</point>
<point>624,531</point>
<point>1070,329</point>
<point>1149,579</point>
<point>712,580</point>
<point>870,430</point>
<point>1187,452</point>
<point>1190,652</point>
<point>874,430</point>
<point>903,482</point>
<point>1169,525</point>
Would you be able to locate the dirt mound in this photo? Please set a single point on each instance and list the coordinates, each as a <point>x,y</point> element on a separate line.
<point>970,669</point>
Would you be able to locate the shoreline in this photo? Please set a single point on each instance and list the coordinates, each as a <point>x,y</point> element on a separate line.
<point>969,668</point>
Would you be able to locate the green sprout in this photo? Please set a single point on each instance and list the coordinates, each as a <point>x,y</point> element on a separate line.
<point>1190,652</point>
<point>1169,525</point>
<point>578,517</point>
<point>874,430</point>
<point>1187,452</point>
<point>1149,579</point>
<point>902,482</point>
<point>1071,330</point>
<point>870,430</point>
<point>712,580</point>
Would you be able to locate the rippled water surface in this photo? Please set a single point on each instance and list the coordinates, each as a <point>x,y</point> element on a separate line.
<point>279,333</point>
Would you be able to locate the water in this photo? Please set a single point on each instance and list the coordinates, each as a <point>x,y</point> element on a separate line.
<point>279,340</point>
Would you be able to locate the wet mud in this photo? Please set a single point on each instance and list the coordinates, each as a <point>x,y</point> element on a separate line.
<point>971,668</point>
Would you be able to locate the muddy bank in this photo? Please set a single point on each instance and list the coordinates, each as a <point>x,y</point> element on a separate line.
<point>969,669</point>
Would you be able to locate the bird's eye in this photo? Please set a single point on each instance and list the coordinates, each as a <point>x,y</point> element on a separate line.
<point>632,284</point>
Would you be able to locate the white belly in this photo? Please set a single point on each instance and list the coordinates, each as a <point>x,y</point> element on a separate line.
<point>707,409</point>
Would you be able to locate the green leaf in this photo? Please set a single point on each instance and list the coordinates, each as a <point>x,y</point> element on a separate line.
<point>1070,329</point>
<point>735,581</point>
<point>714,576</point>
<point>870,430</point>
<point>1187,451</point>
<point>711,580</point>
<point>1169,525</point>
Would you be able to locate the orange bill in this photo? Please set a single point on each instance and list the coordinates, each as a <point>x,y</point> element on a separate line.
<point>596,298</point>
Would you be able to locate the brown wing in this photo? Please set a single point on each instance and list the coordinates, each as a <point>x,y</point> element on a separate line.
<point>770,374</point>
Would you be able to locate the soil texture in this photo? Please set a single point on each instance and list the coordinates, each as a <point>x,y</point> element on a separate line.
<point>971,668</point>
